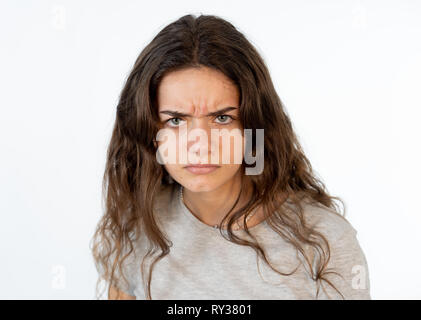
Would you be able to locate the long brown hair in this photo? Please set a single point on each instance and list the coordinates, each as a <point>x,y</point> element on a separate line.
<point>133,178</point>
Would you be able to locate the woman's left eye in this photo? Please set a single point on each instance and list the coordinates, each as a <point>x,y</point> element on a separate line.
<point>227,117</point>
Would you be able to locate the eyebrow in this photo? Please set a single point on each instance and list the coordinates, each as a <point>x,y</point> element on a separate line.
<point>215,113</point>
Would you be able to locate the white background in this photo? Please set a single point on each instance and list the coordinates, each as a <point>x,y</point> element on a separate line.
<point>348,72</point>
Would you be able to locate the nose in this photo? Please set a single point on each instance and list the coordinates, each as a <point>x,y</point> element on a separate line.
<point>199,141</point>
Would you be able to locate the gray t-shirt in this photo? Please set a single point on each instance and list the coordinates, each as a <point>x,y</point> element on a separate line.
<point>203,265</point>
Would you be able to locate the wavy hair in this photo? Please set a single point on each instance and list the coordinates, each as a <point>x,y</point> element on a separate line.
<point>133,178</point>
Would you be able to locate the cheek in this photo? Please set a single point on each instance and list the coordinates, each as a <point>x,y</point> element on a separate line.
<point>237,149</point>
<point>171,168</point>
<point>167,148</point>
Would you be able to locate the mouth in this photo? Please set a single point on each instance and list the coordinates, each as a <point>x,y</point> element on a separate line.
<point>201,168</point>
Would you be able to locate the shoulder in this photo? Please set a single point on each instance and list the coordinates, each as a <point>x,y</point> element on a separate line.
<point>347,260</point>
<point>346,254</point>
<point>326,220</point>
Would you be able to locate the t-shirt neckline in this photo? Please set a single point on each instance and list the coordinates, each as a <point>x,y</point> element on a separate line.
<point>203,226</point>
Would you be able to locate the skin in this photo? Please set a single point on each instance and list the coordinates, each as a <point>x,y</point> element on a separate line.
<point>198,92</point>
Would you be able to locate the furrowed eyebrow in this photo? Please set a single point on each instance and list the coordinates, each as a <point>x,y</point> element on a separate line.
<point>215,113</point>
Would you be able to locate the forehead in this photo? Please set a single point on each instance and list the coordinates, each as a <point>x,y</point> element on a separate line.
<point>196,90</point>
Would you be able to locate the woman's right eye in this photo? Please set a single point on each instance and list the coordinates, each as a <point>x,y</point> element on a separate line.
<point>171,121</point>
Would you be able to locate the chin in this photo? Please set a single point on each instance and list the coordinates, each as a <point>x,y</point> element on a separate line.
<point>201,184</point>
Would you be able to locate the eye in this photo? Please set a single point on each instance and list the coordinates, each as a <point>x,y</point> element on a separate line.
<point>174,123</point>
<point>224,119</point>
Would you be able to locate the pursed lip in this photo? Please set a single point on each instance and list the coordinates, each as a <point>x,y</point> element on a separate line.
<point>202,166</point>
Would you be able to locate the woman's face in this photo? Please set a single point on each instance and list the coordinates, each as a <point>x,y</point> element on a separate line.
<point>196,93</point>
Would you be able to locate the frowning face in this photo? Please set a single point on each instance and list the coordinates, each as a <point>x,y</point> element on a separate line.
<point>191,104</point>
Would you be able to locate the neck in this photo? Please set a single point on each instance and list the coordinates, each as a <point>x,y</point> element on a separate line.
<point>211,207</point>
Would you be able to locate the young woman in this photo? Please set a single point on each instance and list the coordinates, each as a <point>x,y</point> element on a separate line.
<point>210,230</point>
